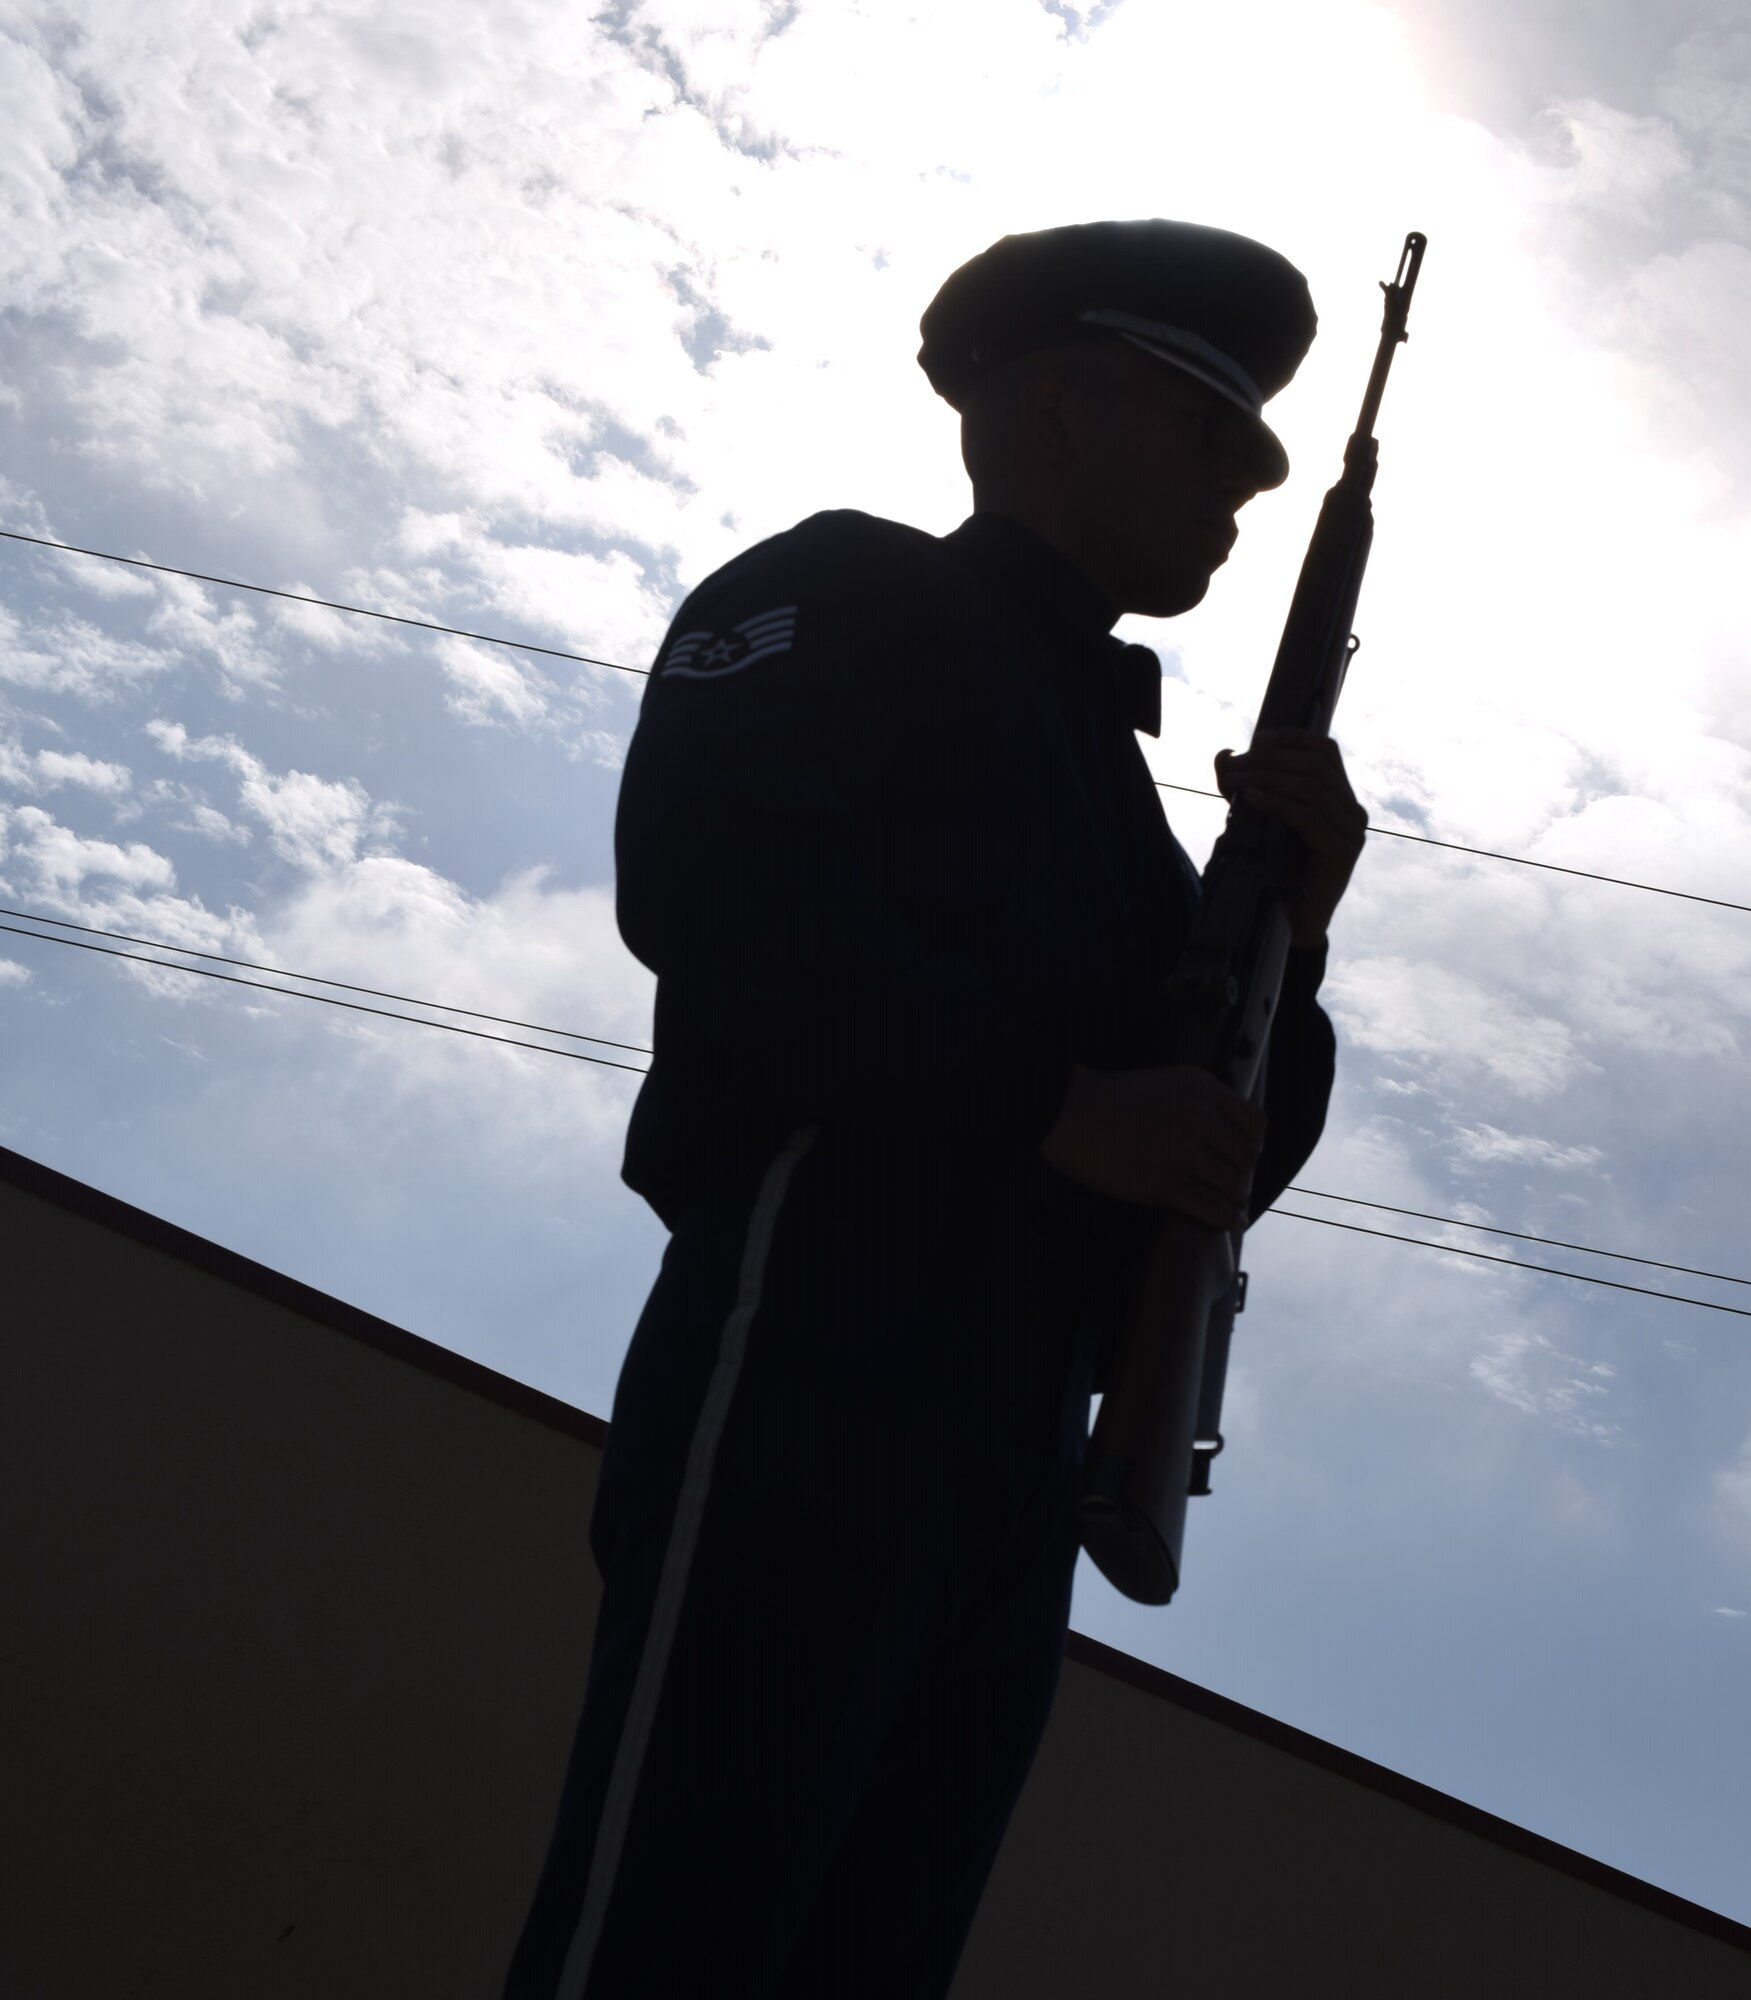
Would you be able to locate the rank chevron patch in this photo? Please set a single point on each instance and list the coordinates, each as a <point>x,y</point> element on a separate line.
<point>709,656</point>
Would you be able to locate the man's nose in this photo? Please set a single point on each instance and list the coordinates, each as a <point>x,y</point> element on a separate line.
<point>1254,468</point>
<point>1267,463</point>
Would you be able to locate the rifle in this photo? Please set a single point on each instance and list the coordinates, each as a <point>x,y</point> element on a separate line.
<point>1160,1417</point>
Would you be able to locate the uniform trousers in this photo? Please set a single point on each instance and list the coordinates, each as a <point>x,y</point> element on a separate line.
<point>836,1537</point>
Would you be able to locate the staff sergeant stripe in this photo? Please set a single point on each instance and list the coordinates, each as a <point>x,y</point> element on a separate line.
<point>754,639</point>
<point>677,1563</point>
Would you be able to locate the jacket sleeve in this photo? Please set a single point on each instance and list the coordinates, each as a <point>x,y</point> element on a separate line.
<point>1298,1079</point>
<point>781,808</point>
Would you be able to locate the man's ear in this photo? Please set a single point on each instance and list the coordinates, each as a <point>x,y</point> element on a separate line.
<point>1042,406</point>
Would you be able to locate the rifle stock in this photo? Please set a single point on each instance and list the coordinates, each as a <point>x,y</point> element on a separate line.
<point>1159,1425</point>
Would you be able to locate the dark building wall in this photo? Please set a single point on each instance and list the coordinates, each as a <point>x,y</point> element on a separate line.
<point>1163,1851</point>
<point>298,1631</point>
<point>300,1610</point>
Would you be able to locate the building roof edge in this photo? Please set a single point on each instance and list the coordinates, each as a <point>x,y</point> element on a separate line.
<point>110,1212</point>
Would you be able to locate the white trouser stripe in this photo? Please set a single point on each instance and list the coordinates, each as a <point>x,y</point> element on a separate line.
<point>677,1562</point>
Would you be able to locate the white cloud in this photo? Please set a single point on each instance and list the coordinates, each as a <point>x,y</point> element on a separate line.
<point>331,631</point>
<point>313,822</point>
<point>489,685</point>
<point>187,617</point>
<point>12,973</point>
<point>211,824</point>
<point>57,767</point>
<point>189,811</point>
<point>1486,1145</point>
<point>594,604</point>
<point>530,949</point>
<point>1526,1371</point>
<point>1447,1024</point>
<point>67,655</point>
<point>103,579</point>
<point>310,820</point>
<point>50,859</point>
<point>1694,298</point>
<point>1617,160</point>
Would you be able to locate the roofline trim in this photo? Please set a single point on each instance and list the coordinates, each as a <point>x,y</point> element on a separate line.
<point>110,1212</point>
<point>1412,1792</point>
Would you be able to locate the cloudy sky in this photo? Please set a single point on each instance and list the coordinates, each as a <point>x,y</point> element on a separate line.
<point>524,319</point>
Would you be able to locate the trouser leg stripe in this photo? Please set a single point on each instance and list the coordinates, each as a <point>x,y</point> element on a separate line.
<point>677,1562</point>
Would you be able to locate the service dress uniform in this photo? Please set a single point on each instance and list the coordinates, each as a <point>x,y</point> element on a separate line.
<point>888,841</point>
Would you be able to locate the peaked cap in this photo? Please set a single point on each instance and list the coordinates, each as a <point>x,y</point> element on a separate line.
<point>1231,312</point>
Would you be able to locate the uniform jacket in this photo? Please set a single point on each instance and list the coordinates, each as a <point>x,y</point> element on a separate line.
<point>887,839</point>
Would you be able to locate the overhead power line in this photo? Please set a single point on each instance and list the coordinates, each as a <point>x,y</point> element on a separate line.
<point>325,999</point>
<point>619,667</point>
<point>1518,1263</point>
<point>539,1048</point>
<point>1518,860</point>
<point>1521,1235</point>
<point>323,603</point>
<point>315,979</point>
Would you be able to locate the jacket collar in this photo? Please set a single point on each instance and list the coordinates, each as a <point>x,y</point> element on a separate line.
<point>1062,597</point>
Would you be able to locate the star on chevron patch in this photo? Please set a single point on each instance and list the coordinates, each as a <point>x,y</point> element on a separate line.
<point>710,656</point>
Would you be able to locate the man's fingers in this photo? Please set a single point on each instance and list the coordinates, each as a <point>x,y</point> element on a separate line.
<point>1228,1149</point>
<point>1225,1111</point>
<point>1298,739</point>
<point>1321,790</point>
<point>1309,772</point>
<point>1288,751</point>
<point>1228,1154</point>
<point>1343,812</point>
<point>1244,1119</point>
<point>1316,819</point>
<point>1224,1210</point>
<point>1321,750</point>
<point>1315,788</point>
<point>1215,1207</point>
<point>1288,757</point>
<point>1298,778</point>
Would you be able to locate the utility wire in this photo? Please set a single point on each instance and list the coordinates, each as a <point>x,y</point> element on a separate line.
<point>638,1049</point>
<point>325,999</point>
<point>1519,1263</point>
<point>1519,860</point>
<point>326,603</point>
<point>1521,1235</point>
<point>540,1048</point>
<point>616,666</point>
<point>316,979</point>
<point>585,659</point>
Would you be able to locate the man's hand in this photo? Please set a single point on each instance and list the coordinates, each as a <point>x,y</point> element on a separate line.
<point>1167,1138</point>
<point>1299,778</point>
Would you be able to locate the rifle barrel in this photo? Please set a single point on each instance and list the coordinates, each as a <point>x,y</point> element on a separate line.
<point>1392,326</point>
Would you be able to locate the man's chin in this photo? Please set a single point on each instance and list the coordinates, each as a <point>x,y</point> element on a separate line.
<point>1169,596</point>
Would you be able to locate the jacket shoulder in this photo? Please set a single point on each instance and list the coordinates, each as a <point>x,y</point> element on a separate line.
<point>835,549</point>
<point>832,592</point>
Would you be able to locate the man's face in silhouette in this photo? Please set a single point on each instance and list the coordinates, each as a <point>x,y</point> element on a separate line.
<point>1160,467</point>
<point>1131,467</point>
